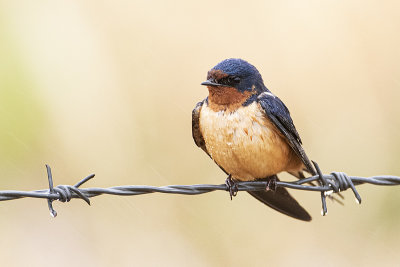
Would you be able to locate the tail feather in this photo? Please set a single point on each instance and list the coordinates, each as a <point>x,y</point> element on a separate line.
<point>282,201</point>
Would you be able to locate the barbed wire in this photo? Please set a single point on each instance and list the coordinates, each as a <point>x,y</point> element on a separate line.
<point>334,182</point>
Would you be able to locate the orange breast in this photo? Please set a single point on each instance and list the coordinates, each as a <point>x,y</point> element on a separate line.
<point>245,143</point>
<point>226,98</point>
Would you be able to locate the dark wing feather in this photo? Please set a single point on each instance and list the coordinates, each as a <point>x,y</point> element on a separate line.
<point>280,200</point>
<point>278,113</point>
<point>197,135</point>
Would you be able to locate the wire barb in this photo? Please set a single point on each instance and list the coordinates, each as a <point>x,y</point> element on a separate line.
<point>53,213</point>
<point>329,183</point>
<point>64,192</point>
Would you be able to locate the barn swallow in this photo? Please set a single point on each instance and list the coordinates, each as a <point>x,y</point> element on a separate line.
<point>249,133</point>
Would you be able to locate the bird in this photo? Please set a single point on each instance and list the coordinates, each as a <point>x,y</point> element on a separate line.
<point>249,133</point>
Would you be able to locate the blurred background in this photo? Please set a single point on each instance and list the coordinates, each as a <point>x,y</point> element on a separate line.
<point>108,87</point>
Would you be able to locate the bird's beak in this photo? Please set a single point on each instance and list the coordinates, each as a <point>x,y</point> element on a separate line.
<point>211,83</point>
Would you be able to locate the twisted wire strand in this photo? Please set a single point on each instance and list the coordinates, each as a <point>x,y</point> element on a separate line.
<point>334,182</point>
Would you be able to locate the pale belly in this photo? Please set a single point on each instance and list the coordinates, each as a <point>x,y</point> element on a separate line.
<point>245,143</point>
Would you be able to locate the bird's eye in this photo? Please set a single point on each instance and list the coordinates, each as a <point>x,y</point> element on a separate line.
<point>230,80</point>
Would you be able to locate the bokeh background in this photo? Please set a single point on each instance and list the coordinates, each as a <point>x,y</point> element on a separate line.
<point>108,87</point>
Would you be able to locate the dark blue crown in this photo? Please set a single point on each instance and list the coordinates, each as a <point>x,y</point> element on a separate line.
<point>236,67</point>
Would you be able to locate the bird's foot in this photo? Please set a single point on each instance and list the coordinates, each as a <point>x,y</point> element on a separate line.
<point>231,186</point>
<point>271,184</point>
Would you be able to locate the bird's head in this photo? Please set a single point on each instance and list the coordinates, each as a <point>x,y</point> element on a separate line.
<point>236,73</point>
<point>233,81</point>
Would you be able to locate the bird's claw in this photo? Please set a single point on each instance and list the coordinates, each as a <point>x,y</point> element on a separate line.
<point>231,186</point>
<point>271,184</point>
